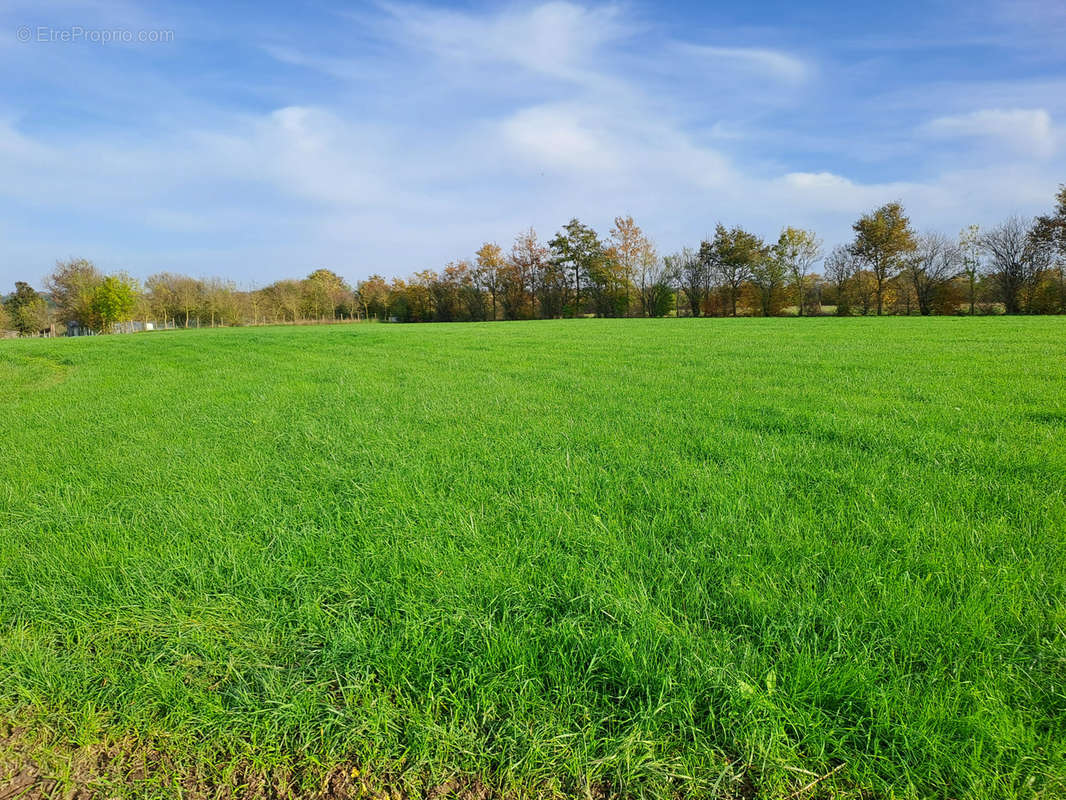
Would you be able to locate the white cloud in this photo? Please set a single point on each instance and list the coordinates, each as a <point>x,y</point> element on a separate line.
<point>771,63</point>
<point>1028,131</point>
<point>558,39</point>
<point>555,137</point>
<point>532,115</point>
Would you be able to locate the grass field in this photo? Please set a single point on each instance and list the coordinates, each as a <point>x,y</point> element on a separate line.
<point>657,558</point>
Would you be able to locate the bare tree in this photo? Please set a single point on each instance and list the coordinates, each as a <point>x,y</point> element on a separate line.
<point>521,273</point>
<point>840,270</point>
<point>693,275</point>
<point>1013,261</point>
<point>935,262</point>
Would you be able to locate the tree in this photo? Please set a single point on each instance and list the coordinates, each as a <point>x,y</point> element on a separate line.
<point>840,271</point>
<point>187,294</point>
<point>419,298</point>
<point>285,296</point>
<point>27,311</point>
<point>634,256</point>
<point>970,261</point>
<point>490,264</point>
<point>883,240</point>
<point>398,300</point>
<point>143,308</point>
<point>930,269</point>
<point>608,287</point>
<point>159,289</point>
<point>324,291</point>
<point>692,273</point>
<point>656,277</point>
<point>638,265</point>
<point>733,254</point>
<point>1013,261</point>
<point>5,322</point>
<point>72,286</point>
<point>521,274</point>
<point>373,295</point>
<point>219,301</point>
<point>768,274</point>
<point>455,298</point>
<point>1049,234</point>
<point>576,249</point>
<point>114,301</point>
<point>550,287</point>
<point>798,251</point>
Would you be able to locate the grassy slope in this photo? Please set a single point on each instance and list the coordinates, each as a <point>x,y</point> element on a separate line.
<point>622,551</point>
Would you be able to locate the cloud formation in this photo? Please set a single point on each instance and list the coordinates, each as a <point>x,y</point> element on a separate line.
<point>1029,131</point>
<point>400,137</point>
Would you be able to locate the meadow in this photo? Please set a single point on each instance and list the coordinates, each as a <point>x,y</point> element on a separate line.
<point>597,558</point>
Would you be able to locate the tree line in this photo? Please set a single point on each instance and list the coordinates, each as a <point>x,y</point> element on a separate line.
<point>1015,267</point>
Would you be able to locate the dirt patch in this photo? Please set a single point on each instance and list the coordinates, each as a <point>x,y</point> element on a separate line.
<point>33,766</point>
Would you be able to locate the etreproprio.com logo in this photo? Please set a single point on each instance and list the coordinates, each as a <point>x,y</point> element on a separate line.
<point>78,33</point>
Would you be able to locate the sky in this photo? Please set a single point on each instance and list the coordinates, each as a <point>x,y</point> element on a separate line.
<point>263,140</point>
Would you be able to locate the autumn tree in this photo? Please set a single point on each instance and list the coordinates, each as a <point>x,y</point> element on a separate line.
<point>883,241</point>
<point>931,268</point>
<point>252,304</point>
<point>609,289</point>
<point>768,274</point>
<point>490,264</point>
<point>373,295</point>
<point>419,297</point>
<point>113,302</point>
<point>324,291</point>
<point>656,279</point>
<point>639,266</point>
<point>839,272</point>
<point>798,250</point>
<point>398,300</point>
<point>1049,234</point>
<point>72,286</point>
<point>455,296</point>
<point>187,294</point>
<point>1013,261</point>
<point>27,311</point>
<point>634,256</point>
<point>219,301</point>
<point>284,298</point>
<point>158,291</point>
<point>970,255</point>
<point>733,254</point>
<point>550,285</point>
<point>864,291</point>
<point>692,273</point>
<point>521,275</point>
<point>576,249</point>
<point>473,307</point>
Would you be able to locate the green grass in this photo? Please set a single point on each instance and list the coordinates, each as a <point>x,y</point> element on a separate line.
<point>663,557</point>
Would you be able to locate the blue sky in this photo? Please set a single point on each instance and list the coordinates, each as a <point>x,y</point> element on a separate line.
<point>265,140</point>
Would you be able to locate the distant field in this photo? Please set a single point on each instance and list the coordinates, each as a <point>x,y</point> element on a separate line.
<point>692,558</point>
